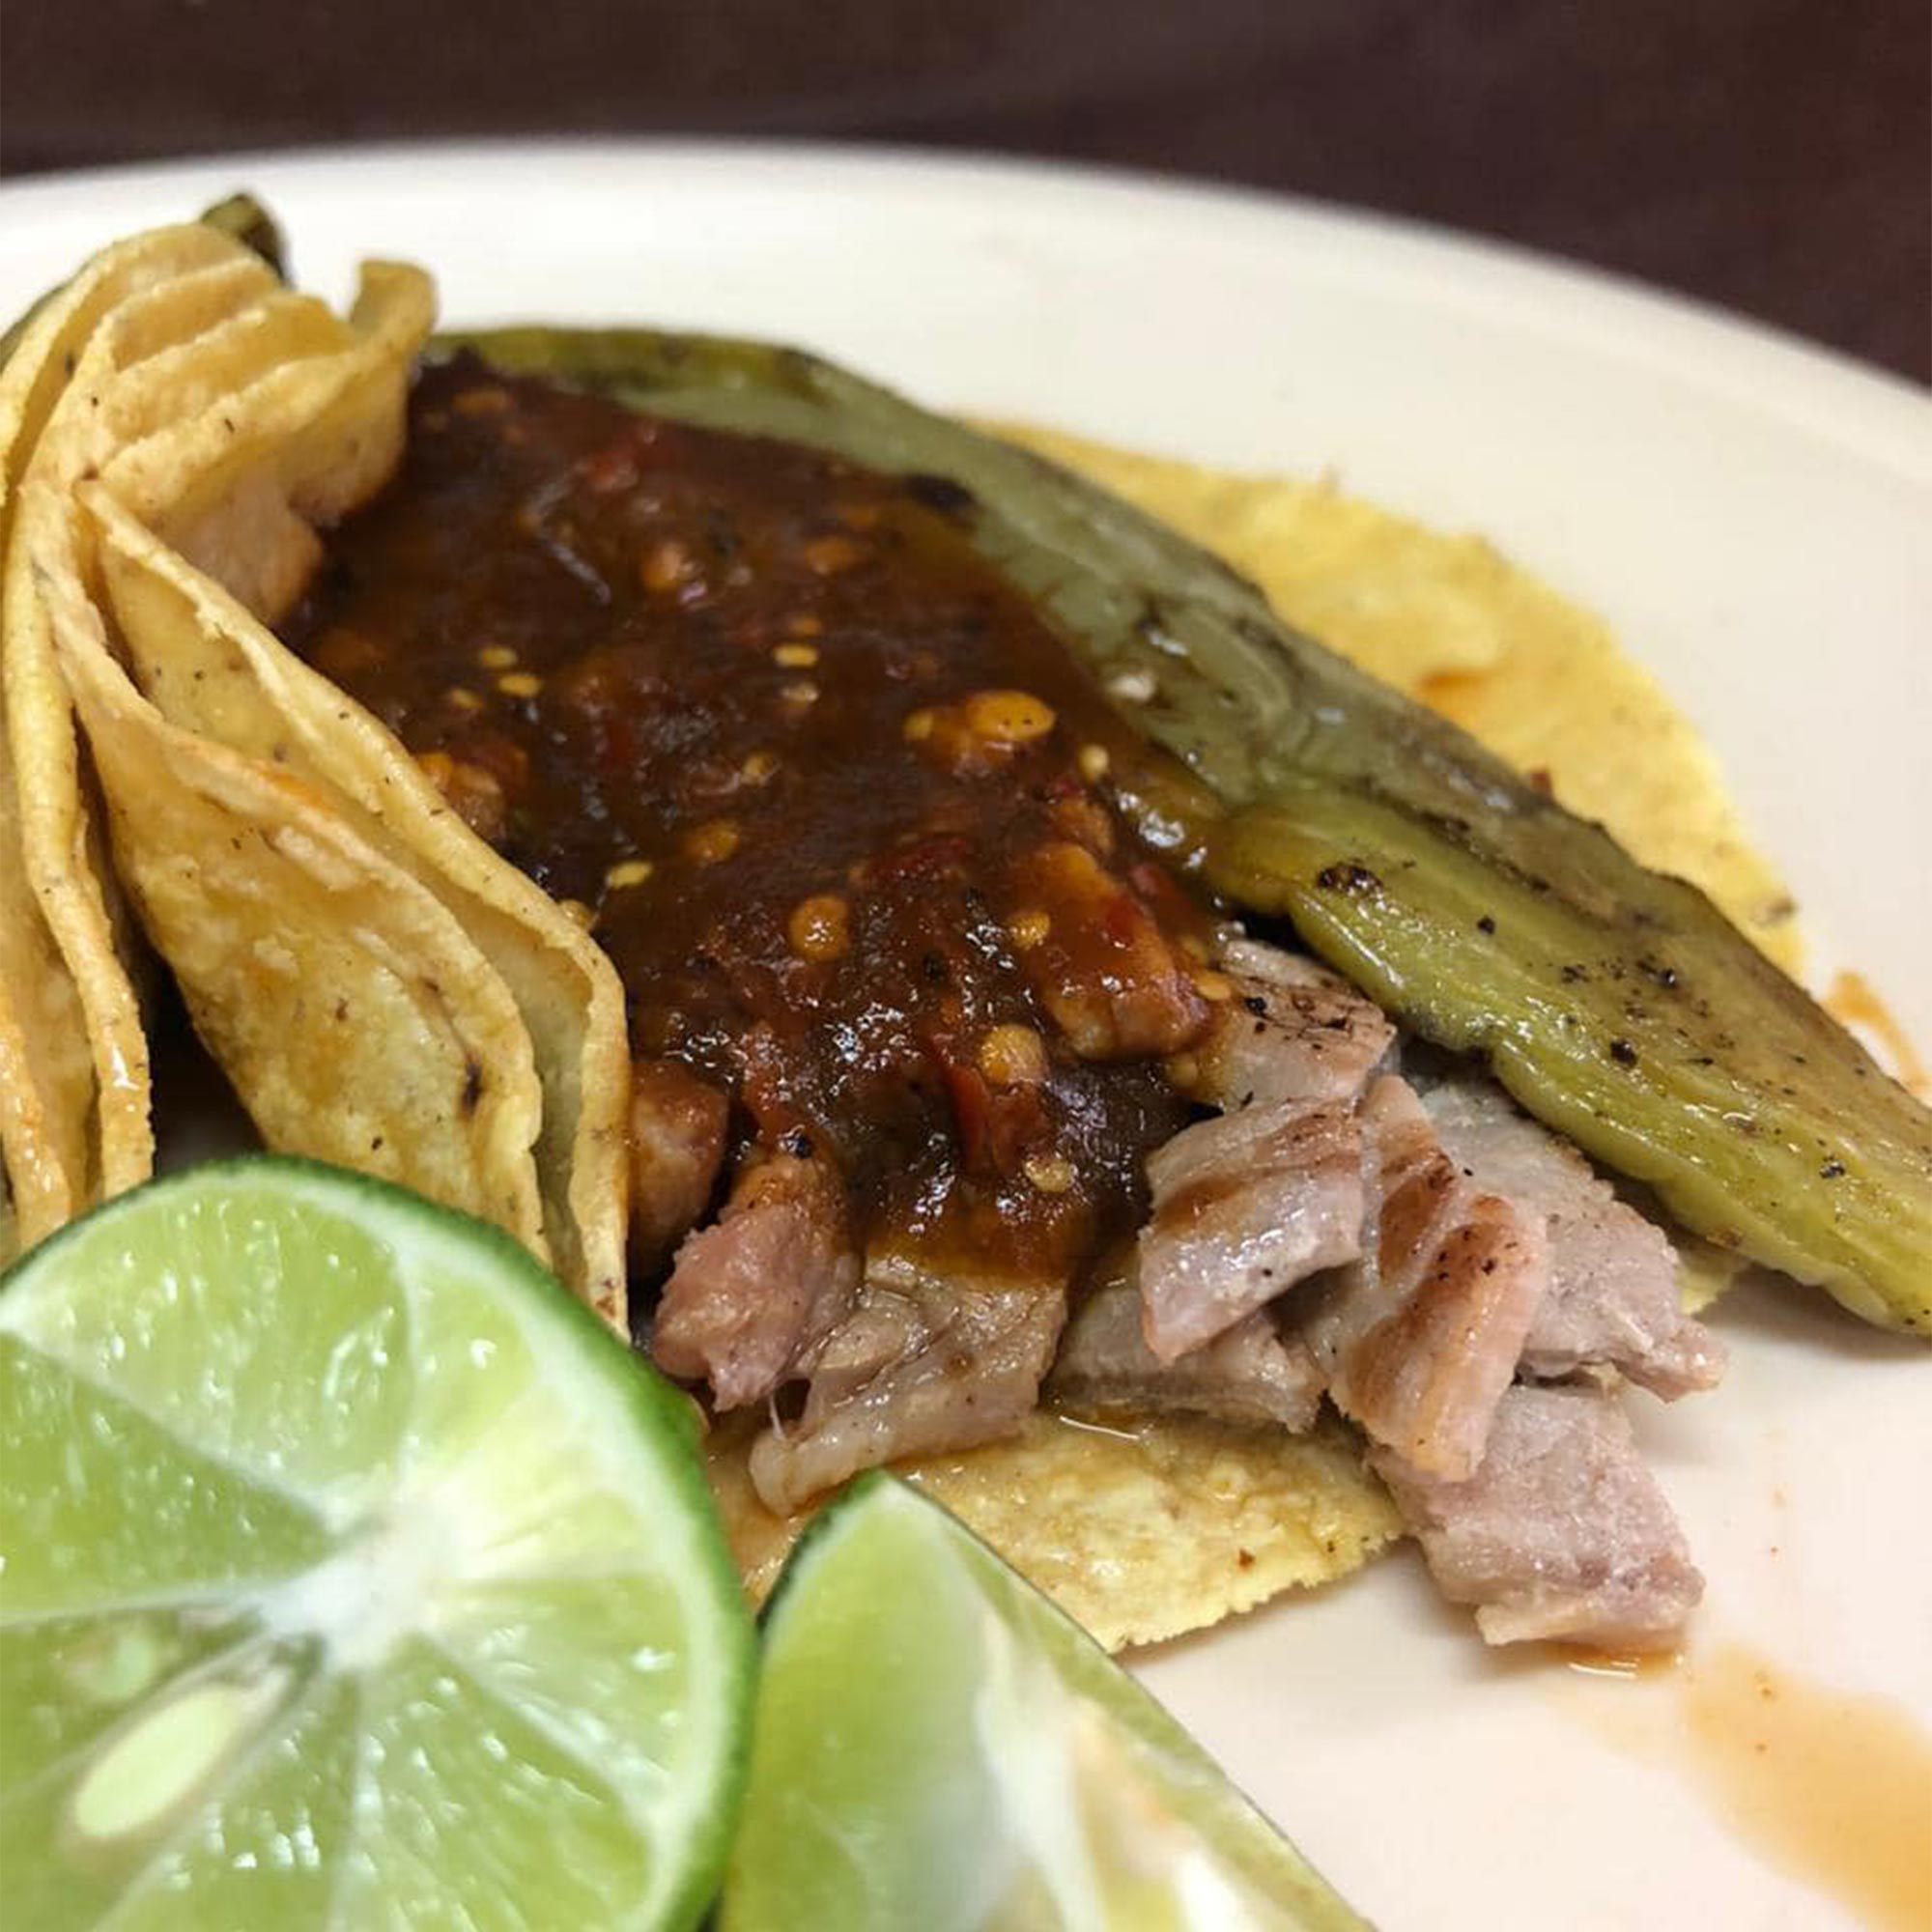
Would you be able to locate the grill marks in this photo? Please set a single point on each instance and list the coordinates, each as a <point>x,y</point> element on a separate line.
<point>1612,1296</point>
<point>1256,1200</point>
<point>1422,1334</point>
<point>1431,1260</point>
<point>1245,1206</point>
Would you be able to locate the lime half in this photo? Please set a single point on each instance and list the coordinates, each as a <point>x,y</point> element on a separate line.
<point>350,1575</point>
<point>936,1745</point>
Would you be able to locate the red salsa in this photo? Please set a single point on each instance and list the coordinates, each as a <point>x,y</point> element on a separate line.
<point>836,799</point>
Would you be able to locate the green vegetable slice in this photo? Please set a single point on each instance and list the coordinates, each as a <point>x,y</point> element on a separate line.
<point>1617,1004</point>
<point>350,1575</point>
<point>936,1745</point>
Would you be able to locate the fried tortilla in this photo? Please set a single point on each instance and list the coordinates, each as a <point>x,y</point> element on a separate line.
<point>245,880</point>
<point>351,875</point>
<point>189,573</point>
<point>73,1079</point>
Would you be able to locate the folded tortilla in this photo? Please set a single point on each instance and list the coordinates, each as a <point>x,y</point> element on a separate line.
<point>383,990</point>
<point>73,1069</point>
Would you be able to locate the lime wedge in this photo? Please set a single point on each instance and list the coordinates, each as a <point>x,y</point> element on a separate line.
<point>936,1745</point>
<point>350,1575</point>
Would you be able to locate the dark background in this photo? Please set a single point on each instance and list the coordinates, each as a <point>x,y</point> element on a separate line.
<point>1772,156</point>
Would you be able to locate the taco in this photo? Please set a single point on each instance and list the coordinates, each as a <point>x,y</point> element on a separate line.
<point>1001,1001</point>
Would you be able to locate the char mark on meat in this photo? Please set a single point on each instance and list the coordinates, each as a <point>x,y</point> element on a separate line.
<point>929,1359</point>
<point>1561,1533</point>
<point>678,1128</point>
<point>758,1289</point>
<point>1245,1206</point>
<point>1421,1335</point>
<point>1247,1374</point>
<point>1612,1298</point>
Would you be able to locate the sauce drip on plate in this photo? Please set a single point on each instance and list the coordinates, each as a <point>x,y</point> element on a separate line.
<point>1832,1787</point>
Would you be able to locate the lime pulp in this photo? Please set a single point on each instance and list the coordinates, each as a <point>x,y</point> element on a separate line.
<point>936,1745</point>
<point>350,1575</point>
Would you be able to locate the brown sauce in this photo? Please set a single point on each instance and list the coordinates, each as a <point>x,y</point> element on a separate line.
<point>1834,1788</point>
<point>835,800</point>
<point>1855,1002</point>
<point>1628,1666</point>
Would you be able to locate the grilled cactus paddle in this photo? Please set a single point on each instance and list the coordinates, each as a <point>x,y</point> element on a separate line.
<point>1617,1004</point>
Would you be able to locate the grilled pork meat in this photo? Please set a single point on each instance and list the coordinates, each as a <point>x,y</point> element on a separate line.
<point>927,1359</point>
<point>1561,1532</point>
<point>1422,1334</point>
<point>1103,969</point>
<point>1248,1373</point>
<point>1612,1296</point>
<point>1247,1205</point>
<point>680,1129</point>
<point>1293,1031</point>
<point>763,1284</point>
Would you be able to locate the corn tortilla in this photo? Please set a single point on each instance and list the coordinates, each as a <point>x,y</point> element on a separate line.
<point>357,1019</point>
<point>345,1003</point>
<point>1140,1530</point>
<point>208,667</point>
<point>208,531</point>
<point>74,1075</point>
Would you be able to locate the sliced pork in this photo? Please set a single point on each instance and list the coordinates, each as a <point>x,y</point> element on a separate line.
<point>1294,1031</point>
<point>1561,1533</point>
<point>765,1282</point>
<point>1247,1374</point>
<point>678,1129</point>
<point>1613,1297</point>
<point>1421,1335</point>
<point>1245,1206</point>
<point>1248,1205</point>
<point>928,1359</point>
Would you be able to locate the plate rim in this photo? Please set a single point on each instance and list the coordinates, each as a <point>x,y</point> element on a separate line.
<point>1812,387</point>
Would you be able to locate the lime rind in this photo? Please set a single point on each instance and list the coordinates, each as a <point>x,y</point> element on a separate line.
<point>500,1548</point>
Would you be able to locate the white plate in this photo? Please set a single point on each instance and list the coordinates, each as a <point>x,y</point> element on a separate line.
<point>1754,518</point>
